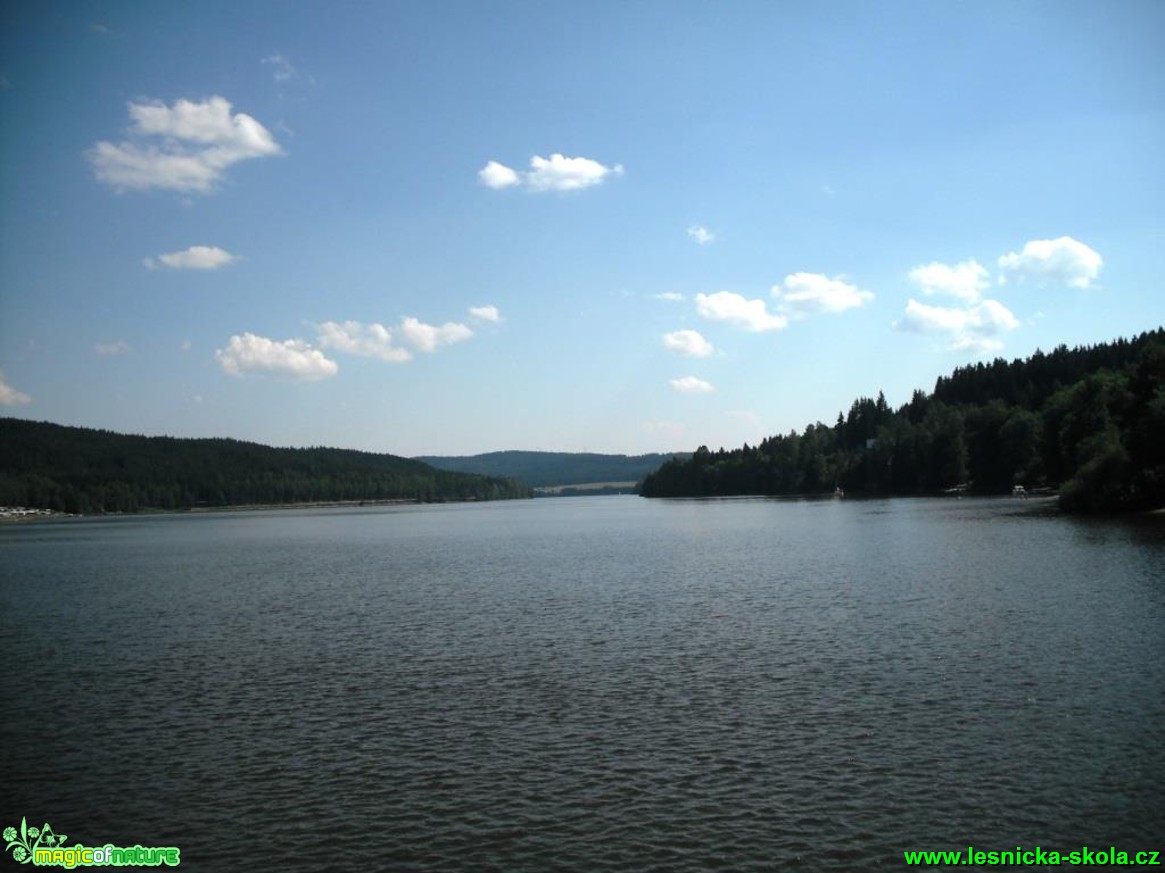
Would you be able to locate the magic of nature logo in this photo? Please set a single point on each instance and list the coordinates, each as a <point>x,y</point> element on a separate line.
<point>44,847</point>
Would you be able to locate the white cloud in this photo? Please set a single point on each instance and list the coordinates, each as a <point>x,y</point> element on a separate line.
<point>9,396</point>
<point>670,296</point>
<point>367,340</point>
<point>803,294</point>
<point>978,327</point>
<point>377,341</point>
<point>559,173</point>
<point>295,358</point>
<point>486,313</point>
<point>428,337</point>
<point>965,280</point>
<point>739,311</point>
<point>209,123</point>
<point>187,345</point>
<point>691,385</point>
<point>688,342</point>
<point>1062,261</point>
<point>495,175</point>
<point>184,147</point>
<point>556,173</point>
<point>120,347</point>
<point>700,234</point>
<point>193,258</point>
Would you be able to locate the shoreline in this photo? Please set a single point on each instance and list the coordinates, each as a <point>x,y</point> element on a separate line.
<point>26,515</point>
<point>1036,503</point>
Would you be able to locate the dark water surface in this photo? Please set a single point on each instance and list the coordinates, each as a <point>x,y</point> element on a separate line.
<point>590,684</point>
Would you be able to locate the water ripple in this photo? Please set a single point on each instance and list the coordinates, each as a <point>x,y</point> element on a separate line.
<point>593,685</point>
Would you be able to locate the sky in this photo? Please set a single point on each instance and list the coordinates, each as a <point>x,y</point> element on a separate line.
<point>626,227</point>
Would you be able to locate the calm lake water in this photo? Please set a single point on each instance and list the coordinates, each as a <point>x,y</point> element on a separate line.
<point>586,684</point>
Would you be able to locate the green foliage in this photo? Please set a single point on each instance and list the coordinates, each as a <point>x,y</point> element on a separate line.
<point>69,469</point>
<point>543,469</point>
<point>1089,421</point>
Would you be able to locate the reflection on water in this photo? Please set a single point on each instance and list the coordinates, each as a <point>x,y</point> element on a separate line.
<point>587,684</point>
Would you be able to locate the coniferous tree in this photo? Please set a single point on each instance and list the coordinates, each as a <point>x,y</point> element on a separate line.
<point>1090,421</point>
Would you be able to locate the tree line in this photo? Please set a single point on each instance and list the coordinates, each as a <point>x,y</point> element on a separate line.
<point>543,469</point>
<point>1088,421</point>
<point>79,470</point>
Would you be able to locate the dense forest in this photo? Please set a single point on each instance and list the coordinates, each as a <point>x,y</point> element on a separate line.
<point>1089,422</point>
<point>546,469</point>
<point>77,470</point>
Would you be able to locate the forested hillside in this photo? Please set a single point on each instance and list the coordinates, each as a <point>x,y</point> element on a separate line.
<point>541,469</point>
<point>1088,421</point>
<point>70,469</point>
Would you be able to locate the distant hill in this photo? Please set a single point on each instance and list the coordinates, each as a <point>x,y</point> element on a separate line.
<point>1088,421</point>
<point>545,469</point>
<point>79,470</point>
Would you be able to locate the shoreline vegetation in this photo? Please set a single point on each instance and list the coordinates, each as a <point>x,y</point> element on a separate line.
<point>1085,422</point>
<point>80,471</point>
<point>18,514</point>
<point>552,472</point>
<point>25,514</point>
<point>1039,503</point>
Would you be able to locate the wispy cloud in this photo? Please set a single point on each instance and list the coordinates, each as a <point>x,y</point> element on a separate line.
<point>9,396</point>
<point>185,147</point>
<point>965,280</point>
<point>978,327</point>
<point>1062,261</point>
<point>556,173</point>
<point>193,258</point>
<point>118,347</point>
<point>691,385</point>
<point>295,359</point>
<point>669,296</point>
<point>689,343</point>
<point>393,344</point>
<point>801,295</point>
<point>737,310</point>
<point>429,337</point>
<point>281,68</point>
<point>486,313</point>
<point>701,234</point>
<point>366,340</point>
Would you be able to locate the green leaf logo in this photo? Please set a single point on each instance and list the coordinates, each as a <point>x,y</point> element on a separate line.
<point>23,843</point>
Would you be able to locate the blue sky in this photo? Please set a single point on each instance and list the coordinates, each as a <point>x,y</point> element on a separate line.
<point>445,227</point>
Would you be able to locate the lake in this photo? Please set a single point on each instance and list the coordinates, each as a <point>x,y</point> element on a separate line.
<point>586,684</point>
